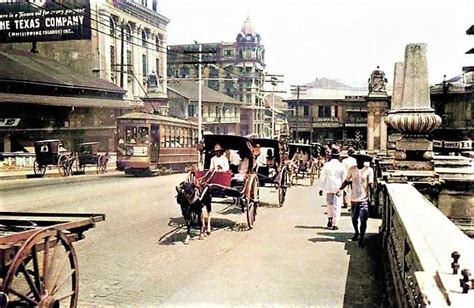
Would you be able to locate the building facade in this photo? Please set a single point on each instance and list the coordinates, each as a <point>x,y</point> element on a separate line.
<point>453,101</point>
<point>121,64</point>
<point>233,68</point>
<point>329,119</point>
<point>220,113</point>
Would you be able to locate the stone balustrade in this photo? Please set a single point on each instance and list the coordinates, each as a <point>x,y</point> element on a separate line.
<point>418,240</point>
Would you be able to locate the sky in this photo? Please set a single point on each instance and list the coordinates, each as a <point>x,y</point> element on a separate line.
<point>338,39</point>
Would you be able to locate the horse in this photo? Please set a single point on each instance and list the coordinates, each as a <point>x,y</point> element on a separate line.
<point>193,200</point>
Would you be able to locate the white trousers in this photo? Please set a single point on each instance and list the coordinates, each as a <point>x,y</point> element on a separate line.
<point>334,205</point>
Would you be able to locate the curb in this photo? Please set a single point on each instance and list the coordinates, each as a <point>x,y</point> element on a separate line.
<point>22,182</point>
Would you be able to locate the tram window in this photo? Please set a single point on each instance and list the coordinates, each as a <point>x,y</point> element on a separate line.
<point>143,135</point>
<point>131,134</point>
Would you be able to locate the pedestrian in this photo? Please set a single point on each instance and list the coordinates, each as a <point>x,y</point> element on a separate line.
<point>362,178</point>
<point>332,177</point>
<point>348,162</point>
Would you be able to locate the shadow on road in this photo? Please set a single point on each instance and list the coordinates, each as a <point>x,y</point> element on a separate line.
<point>311,227</point>
<point>365,284</point>
<point>178,234</point>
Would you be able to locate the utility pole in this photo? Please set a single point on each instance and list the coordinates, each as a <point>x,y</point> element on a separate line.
<point>122,47</point>
<point>200,95</point>
<point>274,80</point>
<point>200,62</point>
<point>298,89</point>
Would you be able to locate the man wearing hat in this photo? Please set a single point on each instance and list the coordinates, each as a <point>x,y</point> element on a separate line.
<point>219,162</point>
<point>332,177</point>
<point>362,178</point>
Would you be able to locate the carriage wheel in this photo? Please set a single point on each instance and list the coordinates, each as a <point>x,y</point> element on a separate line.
<point>44,272</point>
<point>252,202</point>
<point>38,169</point>
<point>62,165</point>
<point>101,164</point>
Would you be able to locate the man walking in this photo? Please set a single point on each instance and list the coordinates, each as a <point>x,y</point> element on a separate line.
<point>332,177</point>
<point>348,162</point>
<point>362,178</point>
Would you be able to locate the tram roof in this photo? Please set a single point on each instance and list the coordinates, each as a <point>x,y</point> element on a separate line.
<point>154,117</point>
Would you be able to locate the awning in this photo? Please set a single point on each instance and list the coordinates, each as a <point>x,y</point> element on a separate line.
<point>66,101</point>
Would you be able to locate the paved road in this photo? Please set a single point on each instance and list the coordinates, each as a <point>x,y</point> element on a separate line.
<point>137,257</point>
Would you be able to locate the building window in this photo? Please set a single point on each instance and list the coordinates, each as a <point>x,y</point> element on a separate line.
<point>128,34</point>
<point>112,58</point>
<point>324,111</point>
<point>157,43</point>
<point>154,5</point>
<point>306,110</point>
<point>144,37</point>
<point>192,110</point>
<point>157,63</point>
<point>112,27</point>
<point>129,62</point>
<point>217,111</point>
<point>144,66</point>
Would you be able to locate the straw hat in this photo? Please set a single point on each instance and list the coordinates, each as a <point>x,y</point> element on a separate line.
<point>218,147</point>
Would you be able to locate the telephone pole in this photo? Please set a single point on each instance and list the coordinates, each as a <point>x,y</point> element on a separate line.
<point>274,80</point>
<point>200,62</point>
<point>298,90</point>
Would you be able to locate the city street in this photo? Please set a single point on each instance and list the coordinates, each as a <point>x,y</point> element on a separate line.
<point>137,256</point>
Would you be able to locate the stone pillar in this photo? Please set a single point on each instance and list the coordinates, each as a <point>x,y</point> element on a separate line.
<point>415,118</point>
<point>370,131</point>
<point>377,105</point>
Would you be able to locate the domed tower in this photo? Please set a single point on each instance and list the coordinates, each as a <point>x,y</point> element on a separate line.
<point>250,58</point>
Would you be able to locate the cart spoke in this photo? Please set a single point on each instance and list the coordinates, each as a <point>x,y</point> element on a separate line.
<point>63,282</point>
<point>60,269</point>
<point>45,259</point>
<point>30,281</point>
<point>34,254</point>
<point>23,297</point>
<point>66,296</point>
<point>49,277</point>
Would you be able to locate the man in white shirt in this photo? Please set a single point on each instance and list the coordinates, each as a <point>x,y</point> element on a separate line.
<point>348,162</point>
<point>362,178</point>
<point>219,162</point>
<point>332,177</point>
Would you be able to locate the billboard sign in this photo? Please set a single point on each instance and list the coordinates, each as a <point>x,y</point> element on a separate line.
<point>44,21</point>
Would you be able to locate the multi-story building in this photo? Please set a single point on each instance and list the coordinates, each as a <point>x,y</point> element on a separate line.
<point>233,68</point>
<point>327,116</point>
<point>453,101</point>
<point>220,112</point>
<point>103,49</point>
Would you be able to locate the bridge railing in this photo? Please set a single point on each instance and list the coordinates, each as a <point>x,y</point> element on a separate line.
<point>419,241</point>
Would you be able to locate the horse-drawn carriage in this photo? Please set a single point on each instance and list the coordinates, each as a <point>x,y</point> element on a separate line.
<point>88,155</point>
<point>238,182</point>
<point>303,161</point>
<point>38,263</point>
<point>48,152</point>
<point>270,167</point>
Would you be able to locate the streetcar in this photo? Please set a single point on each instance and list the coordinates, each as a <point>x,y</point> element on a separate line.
<point>147,143</point>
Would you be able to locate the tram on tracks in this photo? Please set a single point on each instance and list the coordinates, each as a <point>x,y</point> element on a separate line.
<point>146,143</point>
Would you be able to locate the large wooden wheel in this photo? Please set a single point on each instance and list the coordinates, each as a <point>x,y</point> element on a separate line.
<point>44,272</point>
<point>38,169</point>
<point>252,197</point>
<point>63,165</point>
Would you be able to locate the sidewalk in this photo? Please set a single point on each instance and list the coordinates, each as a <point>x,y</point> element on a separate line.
<point>290,258</point>
<point>51,172</point>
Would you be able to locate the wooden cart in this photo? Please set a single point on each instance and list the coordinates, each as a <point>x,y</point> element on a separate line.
<point>38,263</point>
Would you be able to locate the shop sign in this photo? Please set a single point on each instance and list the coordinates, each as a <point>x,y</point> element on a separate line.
<point>46,21</point>
<point>9,122</point>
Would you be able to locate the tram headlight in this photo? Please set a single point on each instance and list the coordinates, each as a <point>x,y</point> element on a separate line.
<point>129,152</point>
